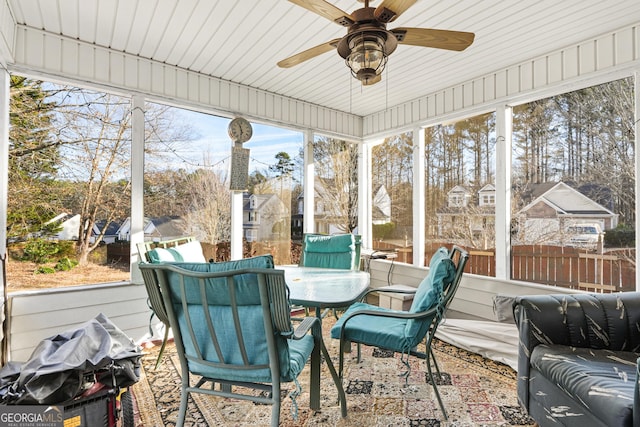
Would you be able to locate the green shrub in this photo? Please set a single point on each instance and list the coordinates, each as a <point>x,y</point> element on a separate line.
<point>45,270</point>
<point>620,237</point>
<point>65,264</point>
<point>40,250</point>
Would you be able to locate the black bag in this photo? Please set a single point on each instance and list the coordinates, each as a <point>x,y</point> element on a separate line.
<point>58,368</point>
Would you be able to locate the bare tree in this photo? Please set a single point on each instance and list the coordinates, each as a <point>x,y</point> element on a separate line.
<point>336,164</point>
<point>95,134</point>
<point>208,215</point>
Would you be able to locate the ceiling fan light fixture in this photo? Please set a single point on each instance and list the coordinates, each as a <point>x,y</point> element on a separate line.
<point>367,57</point>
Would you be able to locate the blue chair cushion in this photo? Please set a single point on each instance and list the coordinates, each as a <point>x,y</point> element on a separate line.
<point>385,332</point>
<point>336,251</point>
<point>293,354</point>
<point>442,271</point>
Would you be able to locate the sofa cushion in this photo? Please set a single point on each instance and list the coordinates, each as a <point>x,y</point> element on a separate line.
<point>603,380</point>
<point>187,252</point>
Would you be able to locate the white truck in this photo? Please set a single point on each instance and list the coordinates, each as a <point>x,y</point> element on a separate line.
<point>585,235</point>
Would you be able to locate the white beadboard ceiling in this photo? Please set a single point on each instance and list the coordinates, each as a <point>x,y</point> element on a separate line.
<point>242,40</point>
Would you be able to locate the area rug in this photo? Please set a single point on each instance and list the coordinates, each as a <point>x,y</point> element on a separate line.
<point>476,391</point>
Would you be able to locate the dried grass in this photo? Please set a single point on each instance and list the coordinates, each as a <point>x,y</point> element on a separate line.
<point>22,276</point>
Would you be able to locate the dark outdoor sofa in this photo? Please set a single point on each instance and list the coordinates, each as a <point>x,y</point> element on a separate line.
<point>578,358</point>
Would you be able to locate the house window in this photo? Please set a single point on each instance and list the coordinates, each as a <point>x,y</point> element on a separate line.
<point>456,200</point>
<point>488,199</point>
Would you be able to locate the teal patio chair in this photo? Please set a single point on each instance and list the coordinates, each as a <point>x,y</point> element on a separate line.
<point>402,331</point>
<point>340,251</point>
<point>233,329</point>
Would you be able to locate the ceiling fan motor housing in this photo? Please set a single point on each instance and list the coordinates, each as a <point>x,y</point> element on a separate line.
<point>367,45</point>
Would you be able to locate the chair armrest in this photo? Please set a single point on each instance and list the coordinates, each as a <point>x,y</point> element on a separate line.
<point>305,325</point>
<point>389,313</point>
<point>388,289</point>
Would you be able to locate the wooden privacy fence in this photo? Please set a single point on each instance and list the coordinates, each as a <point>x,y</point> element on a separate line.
<point>565,267</point>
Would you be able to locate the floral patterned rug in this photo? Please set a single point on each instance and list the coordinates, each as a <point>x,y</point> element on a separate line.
<point>475,391</point>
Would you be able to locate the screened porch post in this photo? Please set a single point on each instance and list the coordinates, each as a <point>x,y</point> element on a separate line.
<point>4,195</point>
<point>503,191</point>
<point>636,120</point>
<point>4,157</point>
<point>418,197</point>
<point>236,224</point>
<point>308,179</point>
<point>365,228</point>
<point>137,183</point>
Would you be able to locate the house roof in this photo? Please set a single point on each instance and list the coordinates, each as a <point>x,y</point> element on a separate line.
<point>167,226</point>
<point>215,53</point>
<point>566,199</point>
<point>112,228</point>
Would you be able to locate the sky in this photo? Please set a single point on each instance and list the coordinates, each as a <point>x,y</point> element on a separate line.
<point>212,138</point>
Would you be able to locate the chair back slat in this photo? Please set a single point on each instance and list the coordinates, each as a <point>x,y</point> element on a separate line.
<point>210,323</point>
<point>236,320</point>
<point>280,307</point>
<point>236,306</point>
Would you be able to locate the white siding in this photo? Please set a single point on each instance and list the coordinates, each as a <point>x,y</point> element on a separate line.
<point>41,52</point>
<point>7,32</point>
<point>39,314</point>
<point>553,72</point>
<point>475,294</point>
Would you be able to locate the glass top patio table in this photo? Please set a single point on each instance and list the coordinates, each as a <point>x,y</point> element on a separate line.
<point>324,287</point>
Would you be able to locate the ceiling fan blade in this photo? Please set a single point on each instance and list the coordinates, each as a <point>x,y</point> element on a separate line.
<point>308,54</point>
<point>326,10</point>
<point>389,10</point>
<point>439,39</point>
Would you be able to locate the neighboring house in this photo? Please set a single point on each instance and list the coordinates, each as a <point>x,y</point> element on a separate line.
<point>468,221</point>
<point>554,209</point>
<point>327,216</point>
<point>69,225</point>
<point>265,217</point>
<point>111,233</point>
<point>551,211</point>
<point>158,228</point>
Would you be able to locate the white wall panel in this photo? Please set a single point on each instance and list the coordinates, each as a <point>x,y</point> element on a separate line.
<point>37,315</point>
<point>587,57</point>
<point>543,76</point>
<point>605,51</point>
<point>554,70</point>
<point>540,72</point>
<point>502,84</point>
<point>513,80</point>
<point>7,32</point>
<point>570,63</point>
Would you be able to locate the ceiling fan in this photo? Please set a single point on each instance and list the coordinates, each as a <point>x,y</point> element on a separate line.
<point>368,43</point>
